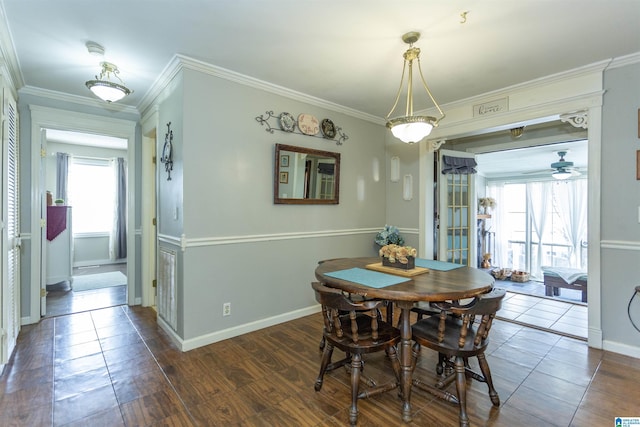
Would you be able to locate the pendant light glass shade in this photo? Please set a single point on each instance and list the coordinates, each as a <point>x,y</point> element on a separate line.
<point>410,128</point>
<point>106,89</point>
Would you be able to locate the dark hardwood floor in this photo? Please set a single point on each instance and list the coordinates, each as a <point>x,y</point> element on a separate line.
<point>116,367</point>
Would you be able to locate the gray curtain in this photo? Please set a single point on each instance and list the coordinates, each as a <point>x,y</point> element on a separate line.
<point>62,173</point>
<point>120,241</point>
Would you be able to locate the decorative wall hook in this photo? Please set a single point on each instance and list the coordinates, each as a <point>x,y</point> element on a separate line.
<point>167,152</point>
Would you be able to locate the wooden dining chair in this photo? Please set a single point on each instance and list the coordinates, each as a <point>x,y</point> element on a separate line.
<point>458,332</point>
<point>388,305</point>
<point>356,328</point>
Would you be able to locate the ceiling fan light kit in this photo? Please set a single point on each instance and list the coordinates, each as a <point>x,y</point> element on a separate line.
<point>412,128</point>
<point>561,174</point>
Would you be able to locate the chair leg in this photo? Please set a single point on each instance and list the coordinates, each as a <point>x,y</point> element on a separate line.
<point>356,365</point>
<point>442,364</point>
<point>415,353</point>
<point>326,358</point>
<point>392,354</point>
<point>486,372</point>
<point>461,388</point>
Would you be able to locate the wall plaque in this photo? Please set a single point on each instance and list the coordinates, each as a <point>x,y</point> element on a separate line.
<point>493,107</point>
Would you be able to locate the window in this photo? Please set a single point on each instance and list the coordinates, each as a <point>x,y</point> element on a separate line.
<point>91,193</point>
<point>558,209</point>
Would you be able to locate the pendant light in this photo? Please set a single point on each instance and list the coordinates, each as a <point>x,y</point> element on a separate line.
<point>412,128</point>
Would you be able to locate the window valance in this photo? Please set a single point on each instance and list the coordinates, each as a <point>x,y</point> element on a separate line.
<point>458,165</point>
<point>326,168</point>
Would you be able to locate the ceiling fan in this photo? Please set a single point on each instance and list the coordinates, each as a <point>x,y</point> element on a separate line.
<point>562,169</point>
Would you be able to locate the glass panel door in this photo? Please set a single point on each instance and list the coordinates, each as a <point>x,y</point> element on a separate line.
<point>456,210</point>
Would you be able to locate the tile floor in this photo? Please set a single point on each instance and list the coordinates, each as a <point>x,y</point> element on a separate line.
<point>536,288</point>
<point>61,299</point>
<point>545,313</point>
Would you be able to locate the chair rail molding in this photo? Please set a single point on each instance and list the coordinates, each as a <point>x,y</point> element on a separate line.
<point>620,244</point>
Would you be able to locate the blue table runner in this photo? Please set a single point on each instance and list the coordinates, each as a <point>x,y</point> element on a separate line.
<point>369,278</point>
<point>436,265</point>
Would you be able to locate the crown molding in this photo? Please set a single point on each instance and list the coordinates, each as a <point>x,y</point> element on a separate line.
<point>8,53</point>
<point>597,67</point>
<point>623,61</point>
<point>81,100</point>
<point>179,62</point>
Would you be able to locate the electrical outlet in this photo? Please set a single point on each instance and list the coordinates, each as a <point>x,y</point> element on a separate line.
<point>226,309</point>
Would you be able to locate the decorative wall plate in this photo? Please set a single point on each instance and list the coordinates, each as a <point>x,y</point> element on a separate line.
<point>287,122</point>
<point>328,129</point>
<point>308,124</point>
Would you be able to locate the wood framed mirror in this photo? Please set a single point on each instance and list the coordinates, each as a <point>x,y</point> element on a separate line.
<point>304,176</point>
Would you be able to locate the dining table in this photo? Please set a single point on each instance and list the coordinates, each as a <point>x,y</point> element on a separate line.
<point>431,281</point>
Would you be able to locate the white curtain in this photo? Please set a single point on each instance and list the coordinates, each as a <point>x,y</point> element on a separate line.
<point>498,225</point>
<point>538,201</point>
<point>570,202</point>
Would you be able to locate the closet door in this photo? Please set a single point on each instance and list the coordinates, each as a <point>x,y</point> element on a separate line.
<point>10,319</point>
<point>456,213</point>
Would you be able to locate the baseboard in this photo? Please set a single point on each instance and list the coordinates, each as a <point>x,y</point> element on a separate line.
<point>620,348</point>
<point>29,320</point>
<point>98,262</point>
<point>192,343</point>
<point>172,334</point>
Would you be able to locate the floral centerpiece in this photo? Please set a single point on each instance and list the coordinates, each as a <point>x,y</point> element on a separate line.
<point>389,235</point>
<point>398,256</point>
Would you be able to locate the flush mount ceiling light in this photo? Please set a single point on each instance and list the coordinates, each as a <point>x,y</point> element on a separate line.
<point>410,128</point>
<point>106,89</point>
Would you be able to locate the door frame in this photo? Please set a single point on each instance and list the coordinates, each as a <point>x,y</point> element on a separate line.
<point>534,102</point>
<point>149,246</point>
<point>53,118</point>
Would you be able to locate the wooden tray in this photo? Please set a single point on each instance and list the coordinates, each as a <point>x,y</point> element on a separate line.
<point>397,271</point>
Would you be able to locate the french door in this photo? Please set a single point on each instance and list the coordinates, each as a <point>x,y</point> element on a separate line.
<point>456,207</point>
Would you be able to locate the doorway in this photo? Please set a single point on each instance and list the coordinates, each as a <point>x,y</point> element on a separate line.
<point>539,221</point>
<point>86,264</point>
<point>520,233</point>
<point>43,119</point>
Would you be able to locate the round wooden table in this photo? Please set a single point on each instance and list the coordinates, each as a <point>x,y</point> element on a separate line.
<point>460,283</point>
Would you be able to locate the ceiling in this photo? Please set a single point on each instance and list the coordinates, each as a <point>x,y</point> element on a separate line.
<point>532,162</point>
<point>345,52</point>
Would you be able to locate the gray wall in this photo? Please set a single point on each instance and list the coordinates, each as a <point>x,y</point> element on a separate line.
<point>620,192</point>
<point>240,247</point>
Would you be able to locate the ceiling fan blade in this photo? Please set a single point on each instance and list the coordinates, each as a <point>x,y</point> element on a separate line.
<point>538,172</point>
